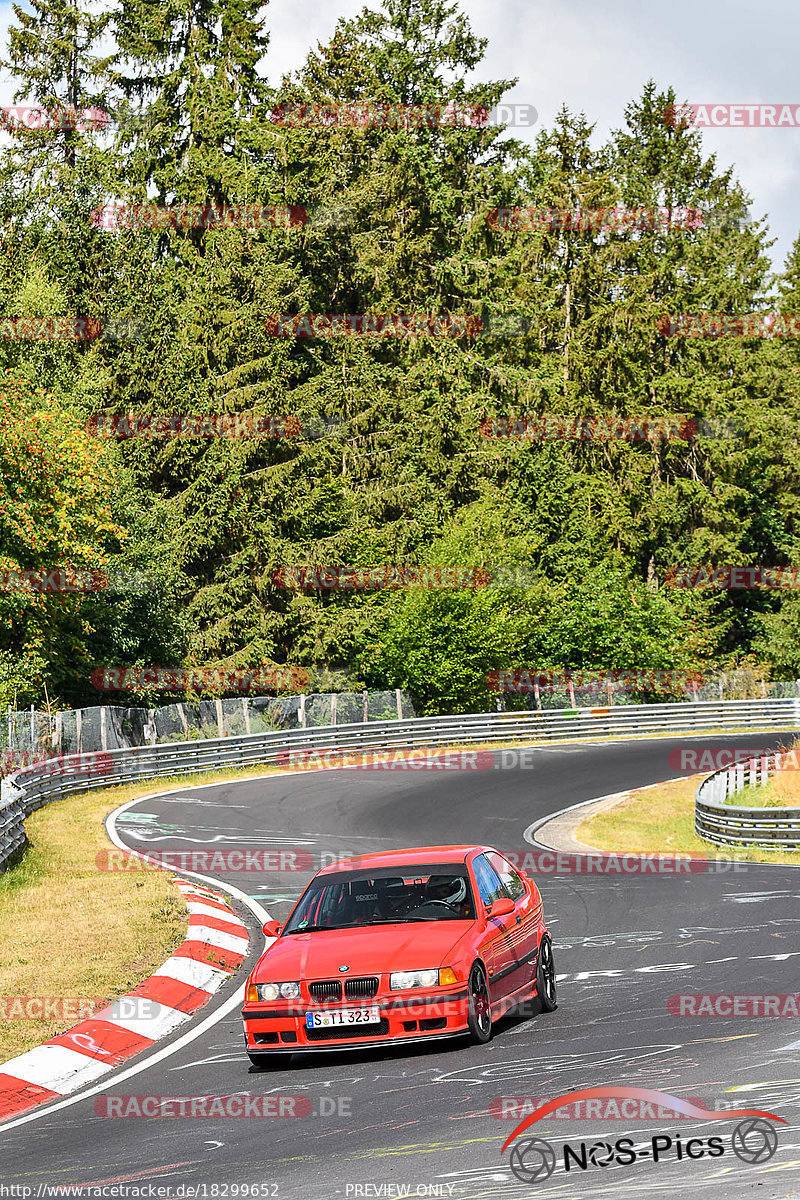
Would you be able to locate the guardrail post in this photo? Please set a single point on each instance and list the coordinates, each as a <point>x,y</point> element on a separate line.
<point>399,697</point>
<point>79,729</point>
<point>334,707</point>
<point>302,711</point>
<point>246,712</point>
<point>220,719</point>
<point>104,728</point>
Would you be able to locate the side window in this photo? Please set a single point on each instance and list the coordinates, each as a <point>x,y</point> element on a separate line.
<point>512,881</point>
<point>488,881</point>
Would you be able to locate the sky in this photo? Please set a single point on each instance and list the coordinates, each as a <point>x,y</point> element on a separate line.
<point>596,57</point>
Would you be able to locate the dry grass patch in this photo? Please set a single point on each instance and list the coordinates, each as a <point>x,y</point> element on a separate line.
<point>69,930</point>
<point>661,820</point>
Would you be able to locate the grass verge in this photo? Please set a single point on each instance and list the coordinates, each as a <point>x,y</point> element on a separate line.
<point>661,820</point>
<point>69,930</point>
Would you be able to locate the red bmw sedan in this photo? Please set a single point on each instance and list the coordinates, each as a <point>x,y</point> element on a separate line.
<point>400,947</point>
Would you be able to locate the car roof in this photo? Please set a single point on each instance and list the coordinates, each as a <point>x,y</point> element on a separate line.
<point>405,858</point>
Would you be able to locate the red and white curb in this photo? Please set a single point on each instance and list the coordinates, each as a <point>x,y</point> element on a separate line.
<point>215,947</point>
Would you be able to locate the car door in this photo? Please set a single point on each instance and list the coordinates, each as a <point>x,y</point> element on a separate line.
<point>525,919</point>
<point>497,945</point>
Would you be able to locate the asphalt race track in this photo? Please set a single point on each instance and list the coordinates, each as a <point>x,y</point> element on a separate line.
<point>418,1120</point>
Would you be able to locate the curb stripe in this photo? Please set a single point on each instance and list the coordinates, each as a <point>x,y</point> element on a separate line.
<point>58,1068</point>
<point>223,960</point>
<point>203,921</point>
<point>193,973</point>
<point>17,1096</point>
<point>214,937</point>
<point>154,1025</point>
<point>171,991</point>
<point>215,946</point>
<point>220,911</point>
<point>101,1040</point>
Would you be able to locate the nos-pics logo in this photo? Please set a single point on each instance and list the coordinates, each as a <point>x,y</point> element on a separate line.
<point>754,1140</point>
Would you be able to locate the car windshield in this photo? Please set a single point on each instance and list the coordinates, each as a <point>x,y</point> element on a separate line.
<point>359,898</point>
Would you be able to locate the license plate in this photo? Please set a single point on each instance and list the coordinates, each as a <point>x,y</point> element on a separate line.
<point>343,1016</point>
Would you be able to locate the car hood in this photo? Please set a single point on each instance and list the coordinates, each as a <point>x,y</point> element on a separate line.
<point>369,950</point>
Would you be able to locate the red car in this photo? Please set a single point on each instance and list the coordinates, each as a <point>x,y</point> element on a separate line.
<point>400,947</point>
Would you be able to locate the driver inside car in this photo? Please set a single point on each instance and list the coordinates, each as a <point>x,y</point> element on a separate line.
<point>449,891</point>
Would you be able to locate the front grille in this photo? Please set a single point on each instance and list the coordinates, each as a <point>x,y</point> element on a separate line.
<point>365,987</point>
<point>328,989</point>
<point>347,1031</point>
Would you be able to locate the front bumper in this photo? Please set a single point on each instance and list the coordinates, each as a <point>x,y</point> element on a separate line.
<point>281,1025</point>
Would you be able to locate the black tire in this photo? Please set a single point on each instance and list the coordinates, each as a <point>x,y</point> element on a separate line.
<point>480,1006</point>
<point>546,976</point>
<point>265,1060</point>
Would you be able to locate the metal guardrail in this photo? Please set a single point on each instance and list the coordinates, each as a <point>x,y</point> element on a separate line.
<point>36,785</point>
<point>727,825</point>
<point>12,826</point>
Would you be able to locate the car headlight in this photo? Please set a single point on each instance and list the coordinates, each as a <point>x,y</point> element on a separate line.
<point>278,991</point>
<point>400,980</point>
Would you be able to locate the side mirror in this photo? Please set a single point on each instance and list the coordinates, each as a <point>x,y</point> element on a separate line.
<point>271,928</point>
<point>502,907</point>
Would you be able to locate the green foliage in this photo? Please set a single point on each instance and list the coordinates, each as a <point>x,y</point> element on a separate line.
<point>403,474</point>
